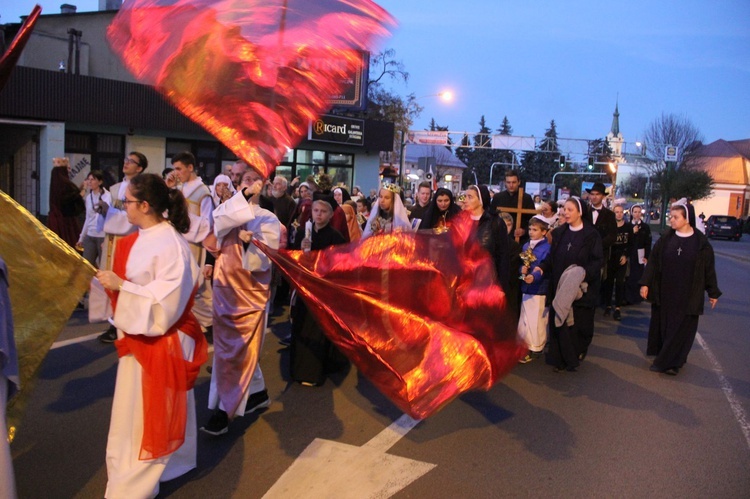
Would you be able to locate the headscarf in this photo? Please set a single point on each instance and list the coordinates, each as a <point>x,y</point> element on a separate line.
<point>400,220</point>
<point>219,180</point>
<point>345,196</point>
<point>355,232</point>
<point>688,209</point>
<point>484,194</point>
<point>582,207</point>
<point>433,213</point>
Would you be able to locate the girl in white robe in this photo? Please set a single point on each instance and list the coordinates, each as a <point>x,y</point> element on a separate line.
<point>153,300</point>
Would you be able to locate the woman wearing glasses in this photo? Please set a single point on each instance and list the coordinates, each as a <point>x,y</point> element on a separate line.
<point>152,434</point>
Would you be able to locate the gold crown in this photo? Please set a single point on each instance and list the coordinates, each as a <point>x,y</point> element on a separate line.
<point>394,188</point>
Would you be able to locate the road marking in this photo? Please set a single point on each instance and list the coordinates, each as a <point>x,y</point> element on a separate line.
<point>332,469</point>
<point>89,337</point>
<point>739,412</point>
<point>73,341</point>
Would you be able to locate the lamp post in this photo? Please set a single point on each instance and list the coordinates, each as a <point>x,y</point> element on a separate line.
<point>446,96</point>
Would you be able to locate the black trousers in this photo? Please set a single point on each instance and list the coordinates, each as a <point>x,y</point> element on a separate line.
<point>616,275</point>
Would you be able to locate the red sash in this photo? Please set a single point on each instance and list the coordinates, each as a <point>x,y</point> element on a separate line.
<point>167,376</point>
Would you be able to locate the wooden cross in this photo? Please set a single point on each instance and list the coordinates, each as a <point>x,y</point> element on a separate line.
<point>519,210</point>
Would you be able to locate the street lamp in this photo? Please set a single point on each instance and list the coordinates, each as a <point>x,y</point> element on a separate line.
<point>613,169</point>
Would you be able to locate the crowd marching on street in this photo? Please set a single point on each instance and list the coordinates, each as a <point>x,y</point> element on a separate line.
<point>178,270</point>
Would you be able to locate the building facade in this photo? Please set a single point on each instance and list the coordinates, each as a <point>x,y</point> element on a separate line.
<point>71,96</point>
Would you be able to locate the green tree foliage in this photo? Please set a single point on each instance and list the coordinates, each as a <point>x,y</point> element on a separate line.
<point>507,159</point>
<point>633,187</point>
<point>541,165</point>
<point>603,154</point>
<point>684,183</point>
<point>481,156</point>
<point>464,154</point>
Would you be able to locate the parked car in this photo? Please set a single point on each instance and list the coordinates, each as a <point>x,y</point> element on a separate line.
<point>724,226</point>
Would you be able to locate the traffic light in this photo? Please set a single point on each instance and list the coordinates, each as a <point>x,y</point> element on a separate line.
<point>562,162</point>
<point>591,163</point>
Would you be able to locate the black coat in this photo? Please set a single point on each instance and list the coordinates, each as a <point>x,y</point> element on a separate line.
<point>492,235</point>
<point>589,256</point>
<point>606,224</point>
<point>507,200</point>
<point>321,239</point>
<point>704,274</point>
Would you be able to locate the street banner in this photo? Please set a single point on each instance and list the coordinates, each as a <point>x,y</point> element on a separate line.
<point>428,138</point>
<point>513,143</point>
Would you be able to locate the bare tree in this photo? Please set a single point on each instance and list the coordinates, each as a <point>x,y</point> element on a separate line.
<point>674,130</point>
<point>383,64</point>
<point>383,103</point>
<point>679,131</point>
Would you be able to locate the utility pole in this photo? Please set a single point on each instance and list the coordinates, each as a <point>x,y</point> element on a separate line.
<point>670,158</point>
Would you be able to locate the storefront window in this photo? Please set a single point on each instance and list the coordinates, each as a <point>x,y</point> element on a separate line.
<point>340,159</point>
<point>341,176</point>
<point>285,171</point>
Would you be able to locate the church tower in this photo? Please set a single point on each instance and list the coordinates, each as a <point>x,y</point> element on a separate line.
<point>614,137</point>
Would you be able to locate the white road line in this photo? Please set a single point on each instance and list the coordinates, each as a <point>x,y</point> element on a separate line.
<point>73,341</point>
<point>734,403</point>
<point>395,432</point>
<point>89,337</point>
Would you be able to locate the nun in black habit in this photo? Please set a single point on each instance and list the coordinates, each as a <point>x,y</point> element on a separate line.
<point>680,270</point>
<point>574,243</point>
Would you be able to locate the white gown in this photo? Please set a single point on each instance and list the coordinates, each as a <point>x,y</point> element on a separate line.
<point>161,274</point>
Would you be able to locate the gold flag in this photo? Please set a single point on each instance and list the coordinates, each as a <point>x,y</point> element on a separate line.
<point>47,279</point>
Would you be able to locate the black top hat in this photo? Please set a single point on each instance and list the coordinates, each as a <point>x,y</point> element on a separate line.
<point>598,187</point>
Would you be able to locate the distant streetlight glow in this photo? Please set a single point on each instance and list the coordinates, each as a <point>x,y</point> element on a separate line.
<point>445,96</point>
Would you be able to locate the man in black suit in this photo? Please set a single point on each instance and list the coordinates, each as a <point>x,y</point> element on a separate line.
<point>605,222</point>
<point>509,199</point>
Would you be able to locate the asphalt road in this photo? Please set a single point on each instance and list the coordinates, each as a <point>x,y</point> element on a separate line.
<point>612,429</point>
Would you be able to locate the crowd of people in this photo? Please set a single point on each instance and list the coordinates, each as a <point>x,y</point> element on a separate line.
<point>178,267</point>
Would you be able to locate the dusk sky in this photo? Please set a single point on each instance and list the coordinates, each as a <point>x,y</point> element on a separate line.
<point>535,61</point>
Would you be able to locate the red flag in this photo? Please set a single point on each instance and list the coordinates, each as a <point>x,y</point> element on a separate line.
<point>254,73</point>
<point>420,314</point>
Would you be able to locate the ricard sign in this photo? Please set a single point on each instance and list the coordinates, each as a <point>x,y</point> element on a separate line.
<point>337,130</point>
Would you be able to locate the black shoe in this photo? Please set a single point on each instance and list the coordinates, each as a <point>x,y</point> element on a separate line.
<point>617,315</point>
<point>257,401</point>
<point>607,311</point>
<point>582,356</point>
<point>672,371</point>
<point>285,341</point>
<point>218,424</point>
<point>108,336</point>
